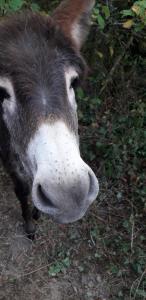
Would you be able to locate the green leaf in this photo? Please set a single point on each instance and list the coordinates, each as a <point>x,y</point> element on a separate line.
<point>55,269</point>
<point>59,266</point>
<point>126,224</point>
<point>106,11</point>
<point>2,4</point>
<point>97,255</point>
<point>99,145</point>
<point>96,11</point>
<point>141,3</point>
<point>80,93</point>
<point>15,5</point>
<point>35,7</point>
<point>66,262</point>
<point>101,22</point>
<point>81,268</point>
<point>141,293</point>
<point>139,27</point>
<point>127,12</point>
<point>114,269</point>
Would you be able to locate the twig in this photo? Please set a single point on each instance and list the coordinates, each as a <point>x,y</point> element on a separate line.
<point>132,287</point>
<point>140,280</point>
<point>116,64</point>
<point>138,285</point>
<point>34,271</point>
<point>132,235</point>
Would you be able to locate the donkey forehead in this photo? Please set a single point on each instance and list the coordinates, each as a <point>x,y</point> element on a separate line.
<point>32,44</point>
<point>40,61</point>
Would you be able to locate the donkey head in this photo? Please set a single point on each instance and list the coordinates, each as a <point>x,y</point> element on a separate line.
<point>40,66</point>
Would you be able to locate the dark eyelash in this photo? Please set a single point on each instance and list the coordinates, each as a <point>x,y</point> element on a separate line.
<point>75,82</point>
<point>3,94</point>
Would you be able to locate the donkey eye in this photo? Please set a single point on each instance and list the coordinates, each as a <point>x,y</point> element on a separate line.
<point>3,94</point>
<point>75,82</point>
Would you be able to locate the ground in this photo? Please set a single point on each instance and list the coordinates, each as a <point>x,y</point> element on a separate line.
<point>27,267</point>
<point>101,257</point>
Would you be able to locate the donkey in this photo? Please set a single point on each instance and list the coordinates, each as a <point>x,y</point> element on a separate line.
<point>40,68</point>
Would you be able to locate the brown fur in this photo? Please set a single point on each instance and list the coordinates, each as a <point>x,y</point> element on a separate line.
<point>70,13</point>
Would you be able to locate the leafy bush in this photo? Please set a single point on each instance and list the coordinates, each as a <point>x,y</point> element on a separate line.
<point>9,6</point>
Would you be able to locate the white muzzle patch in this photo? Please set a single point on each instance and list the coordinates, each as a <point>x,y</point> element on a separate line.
<point>58,168</point>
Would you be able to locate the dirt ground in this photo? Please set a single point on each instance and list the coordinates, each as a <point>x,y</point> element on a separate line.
<point>25,265</point>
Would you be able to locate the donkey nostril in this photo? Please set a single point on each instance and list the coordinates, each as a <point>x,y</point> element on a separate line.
<point>44,197</point>
<point>93,186</point>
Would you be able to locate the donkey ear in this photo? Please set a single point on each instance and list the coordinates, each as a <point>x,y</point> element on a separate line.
<point>73,17</point>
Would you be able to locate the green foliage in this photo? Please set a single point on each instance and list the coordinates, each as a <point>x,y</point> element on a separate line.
<point>137,15</point>
<point>101,14</point>
<point>15,5</point>
<point>134,17</point>
<point>59,266</point>
<point>98,17</point>
<point>10,6</point>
